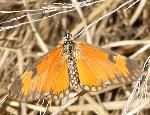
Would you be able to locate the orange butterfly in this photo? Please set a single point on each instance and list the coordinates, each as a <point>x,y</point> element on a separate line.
<point>75,65</point>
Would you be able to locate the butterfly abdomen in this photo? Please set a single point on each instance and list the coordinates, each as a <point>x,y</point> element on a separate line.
<point>73,73</point>
<point>69,50</point>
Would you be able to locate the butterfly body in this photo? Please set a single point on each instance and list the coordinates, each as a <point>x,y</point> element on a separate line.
<point>76,65</point>
<point>70,53</point>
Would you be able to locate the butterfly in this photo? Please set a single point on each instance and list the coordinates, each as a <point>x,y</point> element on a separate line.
<point>72,65</point>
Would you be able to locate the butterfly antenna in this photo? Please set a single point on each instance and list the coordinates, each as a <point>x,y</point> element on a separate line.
<point>65,34</point>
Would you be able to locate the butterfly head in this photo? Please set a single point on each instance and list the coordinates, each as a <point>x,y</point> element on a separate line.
<point>68,37</point>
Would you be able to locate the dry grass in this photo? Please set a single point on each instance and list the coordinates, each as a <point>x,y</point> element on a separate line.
<point>126,32</point>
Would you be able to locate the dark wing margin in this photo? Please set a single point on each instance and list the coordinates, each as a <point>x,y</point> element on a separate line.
<point>39,79</point>
<point>98,68</point>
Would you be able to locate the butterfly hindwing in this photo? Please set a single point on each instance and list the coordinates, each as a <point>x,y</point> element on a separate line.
<point>43,78</point>
<point>98,68</point>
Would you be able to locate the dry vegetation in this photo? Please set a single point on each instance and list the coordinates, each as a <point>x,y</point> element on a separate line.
<point>125,32</point>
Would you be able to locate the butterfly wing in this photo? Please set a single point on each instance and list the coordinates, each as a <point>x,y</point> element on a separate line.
<point>98,68</point>
<point>49,76</point>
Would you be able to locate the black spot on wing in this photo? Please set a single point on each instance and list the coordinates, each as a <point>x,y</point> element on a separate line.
<point>34,72</point>
<point>111,57</point>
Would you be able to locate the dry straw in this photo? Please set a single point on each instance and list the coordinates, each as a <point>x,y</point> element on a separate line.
<point>121,26</point>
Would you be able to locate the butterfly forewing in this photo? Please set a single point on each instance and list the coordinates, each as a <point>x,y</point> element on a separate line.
<point>94,69</point>
<point>98,68</point>
<point>49,76</point>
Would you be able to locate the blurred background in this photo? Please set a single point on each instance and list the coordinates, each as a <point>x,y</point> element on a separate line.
<point>25,37</point>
